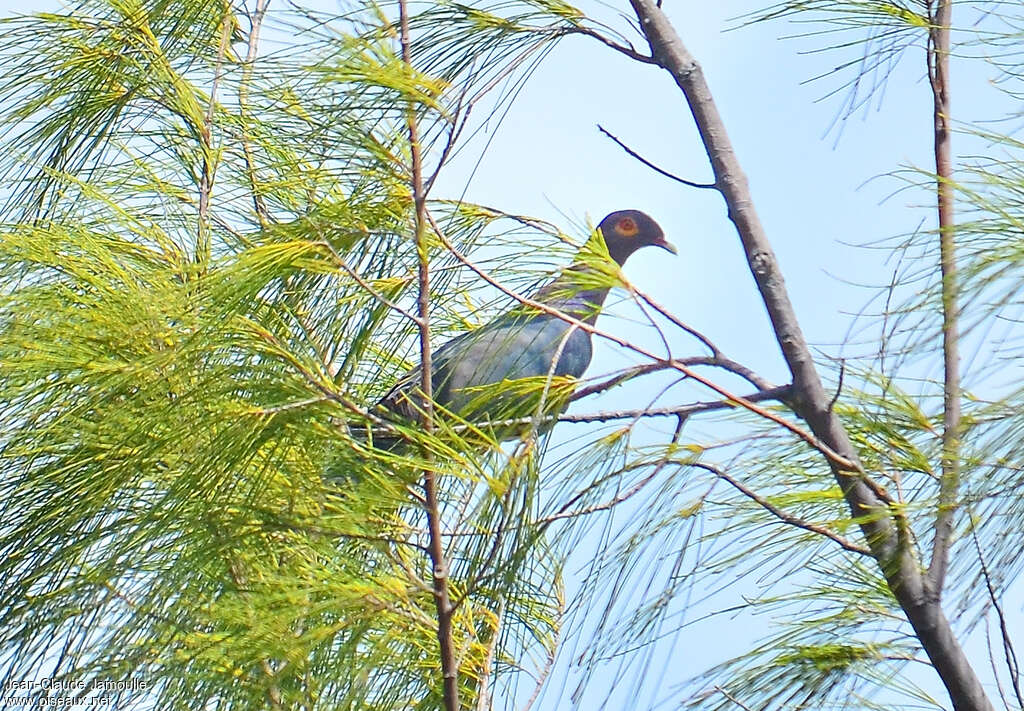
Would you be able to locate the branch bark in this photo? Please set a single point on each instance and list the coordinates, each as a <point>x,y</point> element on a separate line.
<point>884,527</point>
<point>949,483</point>
<point>440,573</point>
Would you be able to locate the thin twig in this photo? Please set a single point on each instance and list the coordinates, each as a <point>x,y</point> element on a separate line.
<point>366,286</point>
<point>255,22</point>
<point>652,166</point>
<point>636,293</point>
<point>731,698</point>
<point>285,354</point>
<point>650,319</point>
<point>1012,664</point>
<point>626,50</point>
<point>839,385</point>
<point>713,361</point>
<point>564,512</point>
<point>549,663</point>
<point>617,379</point>
<point>297,405</point>
<point>209,168</point>
<point>483,698</point>
<point>778,513</point>
<point>778,393</point>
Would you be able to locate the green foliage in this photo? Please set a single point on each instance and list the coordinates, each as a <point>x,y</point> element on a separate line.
<point>180,372</point>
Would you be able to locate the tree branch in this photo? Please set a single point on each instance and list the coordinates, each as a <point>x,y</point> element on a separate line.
<point>778,513</point>
<point>718,361</point>
<point>564,512</point>
<point>627,50</point>
<point>651,165</point>
<point>949,483</point>
<point>732,698</point>
<point>209,167</point>
<point>1009,653</point>
<point>778,393</point>
<point>366,286</point>
<point>255,22</point>
<point>880,523</point>
<point>441,571</point>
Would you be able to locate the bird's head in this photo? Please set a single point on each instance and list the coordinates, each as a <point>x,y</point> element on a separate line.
<point>626,231</point>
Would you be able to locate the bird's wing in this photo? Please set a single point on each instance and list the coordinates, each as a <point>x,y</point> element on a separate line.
<point>511,347</point>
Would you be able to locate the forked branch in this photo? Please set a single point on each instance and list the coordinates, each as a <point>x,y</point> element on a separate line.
<point>883,525</point>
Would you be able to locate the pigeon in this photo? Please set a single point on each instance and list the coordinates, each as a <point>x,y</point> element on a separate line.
<point>505,368</point>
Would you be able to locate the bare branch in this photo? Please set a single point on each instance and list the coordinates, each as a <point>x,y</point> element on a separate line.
<point>778,513</point>
<point>1010,654</point>
<point>483,697</point>
<point>564,512</point>
<point>652,166</point>
<point>209,167</point>
<point>618,379</point>
<point>938,75</point>
<point>549,663</point>
<point>637,293</point>
<point>255,23</point>
<point>725,693</point>
<point>627,50</point>
<point>778,393</point>
<point>718,361</point>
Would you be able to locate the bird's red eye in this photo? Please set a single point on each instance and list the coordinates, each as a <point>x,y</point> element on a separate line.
<point>627,227</point>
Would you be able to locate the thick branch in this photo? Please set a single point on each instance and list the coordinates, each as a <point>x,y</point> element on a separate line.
<point>881,524</point>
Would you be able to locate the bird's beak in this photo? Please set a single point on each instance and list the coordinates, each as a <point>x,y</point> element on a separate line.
<point>667,246</point>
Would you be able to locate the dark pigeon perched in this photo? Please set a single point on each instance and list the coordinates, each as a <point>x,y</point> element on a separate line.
<point>524,342</point>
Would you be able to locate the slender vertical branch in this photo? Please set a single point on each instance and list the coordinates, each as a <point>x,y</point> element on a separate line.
<point>209,167</point>
<point>449,666</point>
<point>938,74</point>
<point>255,23</point>
<point>1009,653</point>
<point>884,527</point>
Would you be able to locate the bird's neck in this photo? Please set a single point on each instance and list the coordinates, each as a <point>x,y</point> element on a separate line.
<point>576,292</point>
